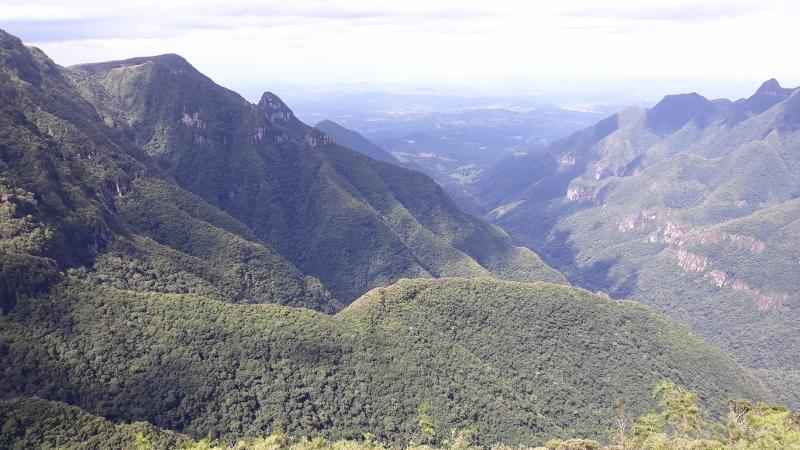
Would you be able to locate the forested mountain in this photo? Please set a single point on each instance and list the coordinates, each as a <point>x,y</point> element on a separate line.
<point>518,362</point>
<point>165,244</point>
<point>352,222</point>
<point>690,206</point>
<point>77,193</point>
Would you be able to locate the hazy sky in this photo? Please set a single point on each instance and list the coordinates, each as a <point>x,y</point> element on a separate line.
<point>495,43</point>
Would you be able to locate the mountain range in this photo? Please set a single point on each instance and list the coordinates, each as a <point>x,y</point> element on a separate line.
<point>174,254</point>
<point>691,206</point>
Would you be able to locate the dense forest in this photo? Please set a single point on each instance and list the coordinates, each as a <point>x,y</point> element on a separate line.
<point>678,423</point>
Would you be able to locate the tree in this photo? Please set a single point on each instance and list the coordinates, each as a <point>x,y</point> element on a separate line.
<point>679,408</point>
<point>426,425</point>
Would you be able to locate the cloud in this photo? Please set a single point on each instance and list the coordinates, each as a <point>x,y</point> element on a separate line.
<point>260,42</point>
<point>329,10</point>
<point>143,20</point>
<point>673,11</point>
<point>42,31</point>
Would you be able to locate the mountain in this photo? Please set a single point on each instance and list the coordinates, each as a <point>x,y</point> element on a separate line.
<point>691,206</point>
<point>351,221</point>
<point>75,193</point>
<point>354,141</point>
<point>160,241</point>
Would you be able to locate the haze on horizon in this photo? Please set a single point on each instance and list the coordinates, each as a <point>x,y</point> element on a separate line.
<point>638,49</point>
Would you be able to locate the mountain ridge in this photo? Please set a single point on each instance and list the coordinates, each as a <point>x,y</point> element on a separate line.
<point>286,167</point>
<point>355,141</point>
<point>692,199</point>
<point>195,144</point>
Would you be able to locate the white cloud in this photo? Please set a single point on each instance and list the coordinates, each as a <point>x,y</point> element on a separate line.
<point>419,41</point>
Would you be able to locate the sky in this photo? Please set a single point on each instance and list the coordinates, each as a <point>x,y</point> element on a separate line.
<point>721,48</point>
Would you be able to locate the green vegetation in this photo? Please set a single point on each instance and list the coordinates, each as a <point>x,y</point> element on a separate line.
<point>23,268</point>
<point>690,207</point>
<point>352,222</point>
<point>516,362</point>
<point>678,424</point>
<point>74,193</point>
<point>40,424</point>
<point>252,219</point>
<point>169,253</point>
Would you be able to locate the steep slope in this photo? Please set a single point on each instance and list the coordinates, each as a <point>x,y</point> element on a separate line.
<point>353,222</point>
<point>516,361</point>
<point>74,193</point>
<point>690,206</point>
<point>354,141</point>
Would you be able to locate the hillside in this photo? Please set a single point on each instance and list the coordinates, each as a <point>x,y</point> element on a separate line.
<point>354,141</point>
<point>516,361</point>
<point>690,206</point>
<point>37,423</point>
<point>350,221</point>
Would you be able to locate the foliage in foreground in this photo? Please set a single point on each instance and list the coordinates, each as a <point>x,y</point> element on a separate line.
<point>677,424</point>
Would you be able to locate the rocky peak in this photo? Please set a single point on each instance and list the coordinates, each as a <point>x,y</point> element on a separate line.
<point>274,108</point>
<point>26,63</point>
<point>9,40</point>
<point>769,94</point>
<point>271,101</point>
<point>770,87</point>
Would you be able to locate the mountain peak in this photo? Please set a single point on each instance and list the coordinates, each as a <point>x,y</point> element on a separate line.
<point>28,63</point>
<point>272,101</point>
<point>675,111</point>
<point>274,108</point>
<point>174,63</point>
<point>691,98</point>
<point>9,40</point>
<point>171,60</point>
<point>769,86</point>
<point>768,94</point>
<point>327,123</point>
